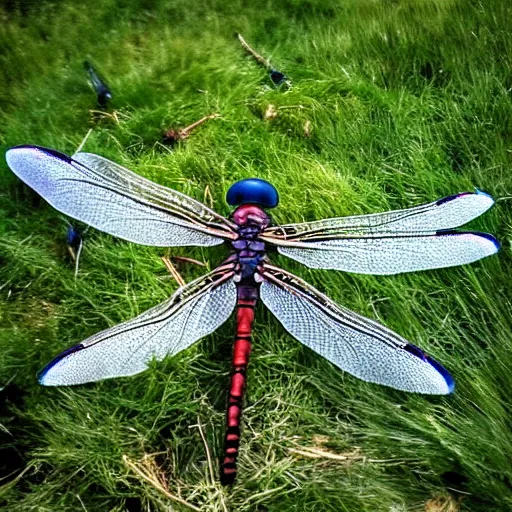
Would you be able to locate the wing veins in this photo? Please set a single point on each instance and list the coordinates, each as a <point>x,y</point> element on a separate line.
<point>337,313</point>
<point>154,190</point>
<point>180,215</point>
<point>161,316</point>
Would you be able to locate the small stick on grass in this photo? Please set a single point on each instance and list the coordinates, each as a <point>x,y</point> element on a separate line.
<point>172,270</point>
<point>307,128</point>
<point>99,115</point>
<point>81,502</point>
<point>264,62</point>
<point>314,453</point>
<point>208,196</point>
<point>276,76</point>
<point>84,140</point>
<point>188,260</point>
<point>156,484</point>
<point>207,450</point>
<point>173,136</point>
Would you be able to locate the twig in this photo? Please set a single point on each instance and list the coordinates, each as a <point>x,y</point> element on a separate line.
<point>315,453</point>
<point>83,141</point>
<point>172,136</point>
<point>208,196</point>
<point>75,242</point>
<point>172,270</point>
<point>207,449</point>
<point>157,485</point>
<point>188,129</point>
<point>257,56</point>
<point>307,128</point>
<point>277,77</point>
<point>270,112</point>
<point>101,114</point>
<point>81,502</point>
<point>188,260</point>
<point>77,260</point>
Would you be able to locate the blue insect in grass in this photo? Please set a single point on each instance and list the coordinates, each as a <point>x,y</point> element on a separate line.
<point>277,77</point>
<point>103,93</point>
<point>74,243</point>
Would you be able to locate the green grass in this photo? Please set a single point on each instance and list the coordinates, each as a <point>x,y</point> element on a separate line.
<point>408,102</point>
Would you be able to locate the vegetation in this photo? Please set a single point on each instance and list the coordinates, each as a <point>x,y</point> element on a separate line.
<point>392,104</point>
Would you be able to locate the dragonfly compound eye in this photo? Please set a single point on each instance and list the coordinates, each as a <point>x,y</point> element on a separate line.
<point>253,191</point>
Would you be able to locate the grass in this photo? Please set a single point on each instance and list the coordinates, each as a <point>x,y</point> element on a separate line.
<point>408,102</point>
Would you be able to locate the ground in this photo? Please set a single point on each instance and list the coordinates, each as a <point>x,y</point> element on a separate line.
<point>393,103</point>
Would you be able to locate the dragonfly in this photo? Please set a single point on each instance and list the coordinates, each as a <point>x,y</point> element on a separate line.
<point>75,243</point>
<point>113,199</point>
<point>102,90</point>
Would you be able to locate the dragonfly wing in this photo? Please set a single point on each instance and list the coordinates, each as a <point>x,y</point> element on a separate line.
<point>113,199</point>
<point>446,213</point>
<point>194,311</point>
<point>356,344</point>
<point>393,254</point>
<point>418,238</point>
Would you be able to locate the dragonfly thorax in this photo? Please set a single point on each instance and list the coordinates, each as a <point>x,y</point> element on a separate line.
<point>251,220</point>
<point>250,251</point>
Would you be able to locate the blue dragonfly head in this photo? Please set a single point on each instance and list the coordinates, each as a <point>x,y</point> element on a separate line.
<point>253,191</point>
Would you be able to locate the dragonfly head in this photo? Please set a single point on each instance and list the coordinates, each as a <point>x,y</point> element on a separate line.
<point>253,191</point>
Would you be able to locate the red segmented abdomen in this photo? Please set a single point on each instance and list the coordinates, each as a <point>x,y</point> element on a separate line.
<point>247,298</point>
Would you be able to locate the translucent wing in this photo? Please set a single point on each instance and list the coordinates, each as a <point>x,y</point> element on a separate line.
<point>115,200</point>
<point>194,311</point>
<point>447,213</point>
<point>391,242</point>
<point>356,344</point>
<point>394,254</point>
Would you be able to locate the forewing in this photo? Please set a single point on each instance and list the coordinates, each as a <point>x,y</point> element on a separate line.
<point>447,213</point>
<point>359,346</point>
<point>113,199</point>
<point>392,242</point>
<point>194,311</point>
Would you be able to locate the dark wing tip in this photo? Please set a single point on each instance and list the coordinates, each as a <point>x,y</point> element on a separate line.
<point>450,382</point>
<point>491,238</point>
<point>48,151</point>
<point>453,197</point>
<point>485,236</point>
<point>42,374</point>
<point>447,199</point>
<point>416,351</point>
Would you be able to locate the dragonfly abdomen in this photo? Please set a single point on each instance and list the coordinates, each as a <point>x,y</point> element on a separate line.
<point>247,296</point>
